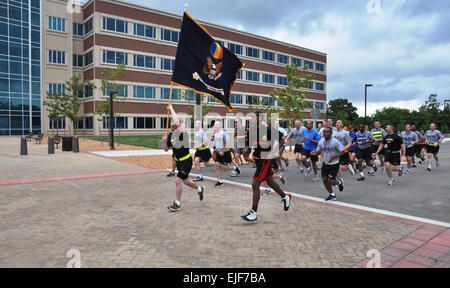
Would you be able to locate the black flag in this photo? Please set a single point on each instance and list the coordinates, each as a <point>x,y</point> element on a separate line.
<point>203,65</point>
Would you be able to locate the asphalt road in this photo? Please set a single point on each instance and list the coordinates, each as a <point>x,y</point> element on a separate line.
<point>421,193</point>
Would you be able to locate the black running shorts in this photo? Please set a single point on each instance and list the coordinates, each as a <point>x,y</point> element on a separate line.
<point>393,158</point>
<point>263,170</point>
<point>433,149</point>
<point>308,155</point>
<point>204,155</point>
<point>364,154</point>
<point>330,171</point>
<point>410,151</point>
<point>225,159</point>
<point>184,168</point>
<point>298,148</point>
<point>345,159</point>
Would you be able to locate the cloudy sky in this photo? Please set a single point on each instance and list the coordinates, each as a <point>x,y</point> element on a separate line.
<point>400,46</point>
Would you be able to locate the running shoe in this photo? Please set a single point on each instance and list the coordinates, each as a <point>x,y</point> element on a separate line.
<point>200,193</point>
<point>237,170</point>
<point>198,179</point>
<point>383,170</point>
<point>437,163</point>
<point>282,179</point>
<point>316,178</point>
<point>286,161</point>
<point>174,207</point>
<point>414,166</point>
<point>219,184</point>
<point>361,178</point>
<point>392,182</point>
<point>308,171</point>
<point>234,174</point>
<point>287,201</point>
<point>429,169</point>
<point>171,174</point>
<point>250,217</point>
<point>331,198</point>
<point>407,171</point>
<point>266,192</point>
<point>372,172</point>
<point>400,173</point>
<point>341,185</point>
<point>375,169</point>
<point>420,161</point>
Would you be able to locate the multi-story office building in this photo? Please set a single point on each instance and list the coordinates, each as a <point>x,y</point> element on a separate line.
<point>104,33</point>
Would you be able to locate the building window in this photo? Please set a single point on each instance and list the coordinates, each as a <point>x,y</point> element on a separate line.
<point>320,105</point>
<point>320,67</point>
<point>119,123</point>
<point>113,57</point>
<point>144,123</point>
<point>122,90</point>
<point>252,76</point>
<point>56,88</point>
<point>235,48</point>
<point>268,101</point>
<point>165,94</point>
<point>144,61</point>
<point>267,78</point>
<point>56,24</point>
<point>170,35</point>
<point>269,56</point>
<point>297,61</point>
<point>144,30</point>
<point>77,60</point>
<point>239,76</point>
<point>282,80</point>
<point>309,104</point>
<point>283,59</point>
<point>144,92</point>
<point>77,29</point>
<point>56,57</point>
<point>252,52</point>
<point>88,58</point>
<point>236,98</point>
<point>115,25</point>
<point>320,86</point>
<point>59,123</point>
<point>252,100</point>
<point>212,100</point>
<point>88,26</point>
<point>167,64</point>
<point>310,64</point>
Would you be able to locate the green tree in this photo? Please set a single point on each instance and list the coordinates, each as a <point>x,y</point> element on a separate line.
<point>53,105</point>
<point>431,105</point>
<point>342,108</point>
<point>290,97</point>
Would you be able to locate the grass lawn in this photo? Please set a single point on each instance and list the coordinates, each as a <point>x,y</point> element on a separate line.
<point>149,141</point>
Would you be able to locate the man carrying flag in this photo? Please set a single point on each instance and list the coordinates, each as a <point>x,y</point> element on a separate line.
<point>203,65</point>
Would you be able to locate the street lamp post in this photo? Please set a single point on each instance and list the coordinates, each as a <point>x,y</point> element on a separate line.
<point>365,97</point>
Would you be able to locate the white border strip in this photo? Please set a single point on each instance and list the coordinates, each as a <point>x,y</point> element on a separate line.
<point>354,206</point>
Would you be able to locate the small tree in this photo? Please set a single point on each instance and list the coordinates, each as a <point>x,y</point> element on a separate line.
<point>342,109</point>
<point>290,97</point>
<point>53,103</point>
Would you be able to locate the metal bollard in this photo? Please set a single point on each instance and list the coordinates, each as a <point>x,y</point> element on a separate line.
<point>51,147</point>
<point>76,146</point>
<point>23,146</point>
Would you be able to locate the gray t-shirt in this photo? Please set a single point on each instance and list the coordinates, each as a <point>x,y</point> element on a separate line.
<point>220,141</point>
<point>298,135</point>
<point>329,149</point>
<point>343,137</point>
<point>434,136</point>
<point>409,138</point>
<point>361,137</point>
<point>199,137</point>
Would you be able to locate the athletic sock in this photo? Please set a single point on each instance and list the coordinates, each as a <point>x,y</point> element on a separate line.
<point>361,174</point>
<point>199,189</point>
<point>332,194</point>
<point>177,202</point>
<point>201,176</point>
<point>255,208</point>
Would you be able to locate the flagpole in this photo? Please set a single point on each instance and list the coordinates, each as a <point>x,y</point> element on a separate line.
<point>168,111</point>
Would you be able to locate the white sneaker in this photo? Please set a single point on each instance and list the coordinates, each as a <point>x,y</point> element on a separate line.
<point>407,171</point>
<point>266,192</point>
<point>392,182</point>
<point>383,170</point>
<point>316,178</point>
<point>250,217</point>
<point>307,172</point>
<point>372,172</point>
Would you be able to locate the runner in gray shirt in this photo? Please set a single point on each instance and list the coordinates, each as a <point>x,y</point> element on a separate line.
<point>410,139</point>
<point>332,150</point>
<point>202,153</point>
<point>344,138</point>
<point>434,139</point>
<point>297,133</point>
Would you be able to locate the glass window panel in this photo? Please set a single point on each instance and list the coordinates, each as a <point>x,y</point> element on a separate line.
<point>4,103</point>
<point>4,122</point>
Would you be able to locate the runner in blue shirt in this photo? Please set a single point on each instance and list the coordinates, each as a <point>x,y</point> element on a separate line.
<point>311,138</point>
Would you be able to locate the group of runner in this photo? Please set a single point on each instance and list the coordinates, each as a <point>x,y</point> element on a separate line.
<point>340,149</point>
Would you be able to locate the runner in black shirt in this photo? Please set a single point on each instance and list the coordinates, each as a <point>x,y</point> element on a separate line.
<point>178,140</point>
<point>262,138</point>
<point>396,152</point>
